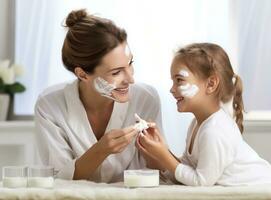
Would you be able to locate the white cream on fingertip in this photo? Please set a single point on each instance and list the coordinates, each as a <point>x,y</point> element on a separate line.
<point>141,124</point>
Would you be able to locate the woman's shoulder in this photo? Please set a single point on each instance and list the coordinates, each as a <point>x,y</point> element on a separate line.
<point>54,94</point>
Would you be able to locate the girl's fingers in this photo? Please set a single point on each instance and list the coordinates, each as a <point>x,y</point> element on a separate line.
<point>145,141</point>
<point>142,148</point>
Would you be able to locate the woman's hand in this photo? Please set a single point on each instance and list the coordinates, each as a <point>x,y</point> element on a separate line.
<point>115,141</point>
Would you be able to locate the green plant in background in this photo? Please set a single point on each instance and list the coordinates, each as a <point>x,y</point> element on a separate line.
<point>8,75</point>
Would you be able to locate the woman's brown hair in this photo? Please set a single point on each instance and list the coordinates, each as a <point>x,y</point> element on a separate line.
<point>205,59</point>
<point>88,40</point>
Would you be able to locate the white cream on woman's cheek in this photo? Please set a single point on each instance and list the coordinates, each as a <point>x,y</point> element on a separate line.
<point>104,88</point>
<point>188,90</point>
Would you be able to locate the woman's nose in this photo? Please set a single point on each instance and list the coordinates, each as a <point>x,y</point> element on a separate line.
<point>130,76</point>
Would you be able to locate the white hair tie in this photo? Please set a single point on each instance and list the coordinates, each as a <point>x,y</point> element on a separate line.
<point>233,79</point>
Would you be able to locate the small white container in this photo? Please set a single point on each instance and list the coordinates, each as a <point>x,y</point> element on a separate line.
<point>14,176</point>
<point>141,178</point>
<point>41,176</point>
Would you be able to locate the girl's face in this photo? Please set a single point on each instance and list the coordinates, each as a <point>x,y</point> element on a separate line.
<point>187,88</point>
<point>116,73</point>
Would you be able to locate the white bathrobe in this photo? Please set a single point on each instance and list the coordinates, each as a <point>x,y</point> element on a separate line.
<point>220,156</point>
<point>63,132</point>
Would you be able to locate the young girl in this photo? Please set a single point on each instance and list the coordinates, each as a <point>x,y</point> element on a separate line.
<point>215,153</point>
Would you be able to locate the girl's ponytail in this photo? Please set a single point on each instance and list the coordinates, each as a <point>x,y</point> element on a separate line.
<point>238,105</point>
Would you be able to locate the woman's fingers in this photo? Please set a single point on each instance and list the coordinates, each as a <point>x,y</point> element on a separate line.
<point>128,129</point>
<point>114,134</point>
<point>127,138</point>
<point>151,124</point>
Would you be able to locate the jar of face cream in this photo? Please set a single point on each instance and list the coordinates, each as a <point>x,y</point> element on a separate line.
<point>41,176</point>
<point>14,176</point>
<point>141,178</point>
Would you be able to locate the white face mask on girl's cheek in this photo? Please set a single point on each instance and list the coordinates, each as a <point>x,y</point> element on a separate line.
<point>188,90</point>
<point>104,88</point>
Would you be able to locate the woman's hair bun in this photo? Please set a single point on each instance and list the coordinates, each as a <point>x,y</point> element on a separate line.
<point>75,16</point>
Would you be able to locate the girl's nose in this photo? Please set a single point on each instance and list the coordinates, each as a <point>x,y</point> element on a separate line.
<point>172,90</point>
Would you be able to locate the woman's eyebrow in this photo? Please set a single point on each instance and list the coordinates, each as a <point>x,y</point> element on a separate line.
<point>119,68</point>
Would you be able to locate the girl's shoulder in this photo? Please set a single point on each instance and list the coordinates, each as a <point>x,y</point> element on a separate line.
<point>221,125</point>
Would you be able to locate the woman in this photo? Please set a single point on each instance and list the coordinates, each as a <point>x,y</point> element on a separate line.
<point>85,128</point>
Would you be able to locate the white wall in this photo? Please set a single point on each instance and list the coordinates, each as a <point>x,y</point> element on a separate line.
<point>6,27</point>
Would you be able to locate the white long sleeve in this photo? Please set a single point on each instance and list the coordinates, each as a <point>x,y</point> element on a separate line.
<point>214,155</point>
<point>53,148</point>
<point>221,156</point>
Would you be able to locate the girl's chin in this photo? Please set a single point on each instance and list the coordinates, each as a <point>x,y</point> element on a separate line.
<point>181,109</point>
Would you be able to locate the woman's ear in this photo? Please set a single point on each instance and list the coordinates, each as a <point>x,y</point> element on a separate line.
<point>81,74</point>
<point>212,84</point>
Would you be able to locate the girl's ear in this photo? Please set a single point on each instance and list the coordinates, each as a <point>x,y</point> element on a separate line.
<point>81,74</point>
<point>212,84</point>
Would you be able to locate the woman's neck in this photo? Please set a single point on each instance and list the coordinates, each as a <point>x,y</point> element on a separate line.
<point>92,100</point>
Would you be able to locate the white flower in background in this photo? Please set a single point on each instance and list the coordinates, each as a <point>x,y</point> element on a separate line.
<point>18,69</point>
<point>8,73</point>
<point>3,65</point>
<point>8,76</point>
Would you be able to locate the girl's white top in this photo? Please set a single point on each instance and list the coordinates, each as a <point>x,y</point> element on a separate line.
<point>220,156</point>
<point>63,131</point>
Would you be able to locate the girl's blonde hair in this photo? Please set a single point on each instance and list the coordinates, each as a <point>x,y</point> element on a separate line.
<point>206,59</point>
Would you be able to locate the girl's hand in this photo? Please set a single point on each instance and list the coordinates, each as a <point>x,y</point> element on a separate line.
<point>151,143</point>
<point>151,162</point>
<point>115,141</point>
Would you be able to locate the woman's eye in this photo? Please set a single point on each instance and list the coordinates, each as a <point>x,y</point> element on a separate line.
<point>131,62</point>
<point>116,73</point>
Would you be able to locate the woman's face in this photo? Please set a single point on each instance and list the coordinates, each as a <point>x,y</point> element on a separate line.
<point>116,73</point>
<point>187,89</point>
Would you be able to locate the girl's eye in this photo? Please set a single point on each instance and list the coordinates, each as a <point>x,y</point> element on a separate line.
<point>116,73</point>
<point>179,80</point>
